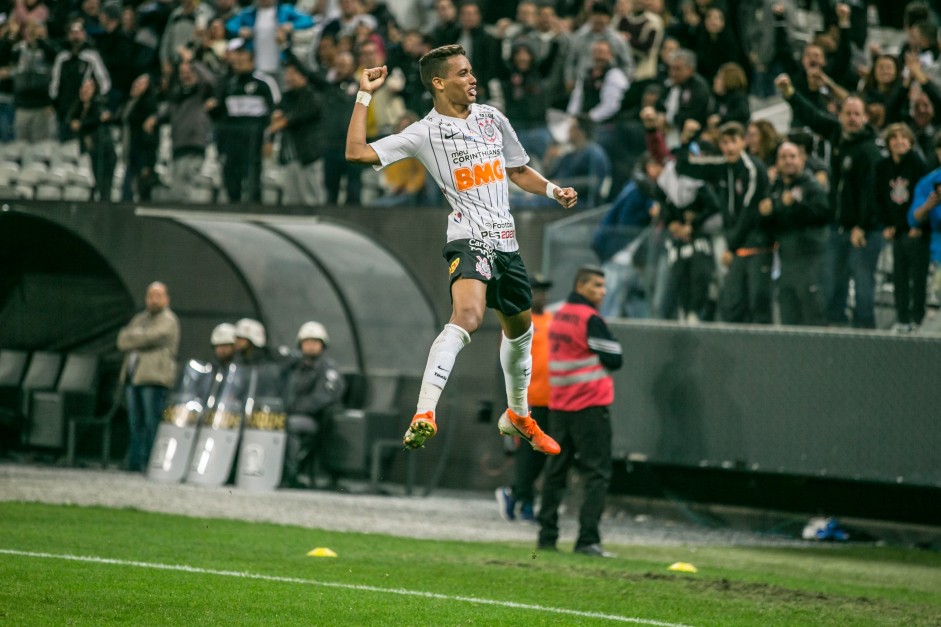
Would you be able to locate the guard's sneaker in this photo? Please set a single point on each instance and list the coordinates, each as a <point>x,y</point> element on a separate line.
<point>526,512</point>
<point>421,429</point>
<point>526,428</point>
<point>506,504</point>
<point>594,550</point>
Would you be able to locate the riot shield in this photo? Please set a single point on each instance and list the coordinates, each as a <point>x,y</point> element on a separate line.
<point>261,453</point>
<point>219,432</point>
<point>176,434</point>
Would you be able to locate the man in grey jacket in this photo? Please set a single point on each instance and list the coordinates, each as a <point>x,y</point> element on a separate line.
<point>150,342</point>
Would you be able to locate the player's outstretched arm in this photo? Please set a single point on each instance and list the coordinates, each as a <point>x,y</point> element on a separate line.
<point>357,150</point>
<point>533,182</point>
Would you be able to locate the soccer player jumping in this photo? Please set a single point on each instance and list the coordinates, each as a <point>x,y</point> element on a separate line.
<point>472,153</point>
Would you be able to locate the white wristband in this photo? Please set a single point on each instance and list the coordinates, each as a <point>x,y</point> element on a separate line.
<point>550,190</point>
<point>363,98</point>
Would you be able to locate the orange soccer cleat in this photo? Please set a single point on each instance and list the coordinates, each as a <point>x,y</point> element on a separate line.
<point>421,429</point>
<point>526,428</point>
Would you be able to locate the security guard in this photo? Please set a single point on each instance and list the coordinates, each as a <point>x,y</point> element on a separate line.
<point>314,388</point>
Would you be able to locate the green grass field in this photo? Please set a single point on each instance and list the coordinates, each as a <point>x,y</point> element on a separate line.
<point>94,566</point>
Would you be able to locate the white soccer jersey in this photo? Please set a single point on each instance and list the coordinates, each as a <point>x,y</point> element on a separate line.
<point>468,160</point>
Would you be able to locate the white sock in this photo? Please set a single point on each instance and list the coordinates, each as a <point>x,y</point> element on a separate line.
<point>517,361</point>
<point>441,358</point>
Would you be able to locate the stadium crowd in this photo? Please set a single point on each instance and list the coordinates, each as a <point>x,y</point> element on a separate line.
<point>646,104</point>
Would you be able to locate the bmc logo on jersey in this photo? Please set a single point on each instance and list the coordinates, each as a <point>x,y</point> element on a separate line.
<point>478,174</point>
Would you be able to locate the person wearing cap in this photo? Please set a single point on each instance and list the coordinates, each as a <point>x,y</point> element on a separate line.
<point>250,342</point>
<point>223,345</point>
<point>314,388</point>
<point>529,462</point>
<point>299,119</point>
<point>150,342</point>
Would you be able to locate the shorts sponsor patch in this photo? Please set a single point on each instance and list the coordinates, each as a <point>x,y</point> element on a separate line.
<point>453,267</point>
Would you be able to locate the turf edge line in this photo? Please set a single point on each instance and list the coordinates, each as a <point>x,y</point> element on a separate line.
<point>345,586</point>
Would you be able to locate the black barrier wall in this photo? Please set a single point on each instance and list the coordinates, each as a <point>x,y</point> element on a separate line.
<point>824,403</point>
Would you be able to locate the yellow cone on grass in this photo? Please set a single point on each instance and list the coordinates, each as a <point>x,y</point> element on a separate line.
<point>683,567</point>
<point>322,551</point>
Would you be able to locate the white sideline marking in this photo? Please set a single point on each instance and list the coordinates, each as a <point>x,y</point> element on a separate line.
<point>344,586</point>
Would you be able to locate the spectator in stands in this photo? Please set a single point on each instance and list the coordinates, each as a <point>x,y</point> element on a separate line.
<point>797,212</point>
<point>925,213</point>
<point>242,114</point>
<point>688,96</point>
<point>339,98</point>
<point>190,124</point>
<point>586,167</point>
<point>897,176</point>
<point>117,53</point>
<point>29,12</point>
<point>483,49</point>
<point>761,141</point>
<point>90,121</point>
<point>180,28</point>
<point>730,88</point>
<point>150,342</point>
<point>756,21</point>
<point>299,119</point>
<point>598,27</point>
<point>209,48</point>
<point>145,43</point>
<point>223,345</point>
<point>924,112</point>
<point>226,10</point>
<point>580,396</point>
<point>614,241</point>
<point>403,181</point>
<point>883,89</point>
<point>71,68</point>
<point>9,37</point>
<point>32,61</point>
<point>88,13</point>
<point>268,27</point>
<point>352,16</point>
<point>250,342</point>
<point>141,140</point>
<point>446,29</point>
<point>743,184</point>
<point>600,87</point>
<point>529,463</point>
<point>510,31</point>
<point>643,29</point>
<point>313,391</point>
<point>715,44</point>
<point>403,58</point>
<point>388,103</point>
<point>550,50</point>
<point>806,76</point>
<point>526,96</point>
<point>854,240</point>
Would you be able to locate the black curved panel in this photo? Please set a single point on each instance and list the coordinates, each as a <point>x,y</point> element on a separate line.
<point>392,316</point>
<point>287,286</point>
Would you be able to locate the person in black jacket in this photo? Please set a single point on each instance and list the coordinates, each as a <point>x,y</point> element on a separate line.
<point>798,212</point>
<point>139,119</point>
<point>117,53</point>
<point>313,389</point>
<point>32,59</point>
<point>854,241</point>
<point>243,112</point>
<point>687,95</point>
<point>89,119</point>
<point>730,87</point>
<point>742,183</point>
<point>299,120</point>
<point>70,69</point>
<point>527,96</point>
<point>896,177</point>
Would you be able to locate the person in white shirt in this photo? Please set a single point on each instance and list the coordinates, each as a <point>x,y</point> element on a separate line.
<point>472,153</point>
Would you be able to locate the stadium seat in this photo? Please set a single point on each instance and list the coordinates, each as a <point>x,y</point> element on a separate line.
<point>76,193</point>
<point>12,369</point>
<point>42,374</point>
<point>74,395</point>
<point>102,422</point>
<point>48,191</point>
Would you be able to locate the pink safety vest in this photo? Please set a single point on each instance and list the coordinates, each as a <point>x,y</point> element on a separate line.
<point>576,375</point>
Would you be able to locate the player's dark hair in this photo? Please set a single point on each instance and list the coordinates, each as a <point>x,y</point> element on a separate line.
<point>586,273</point>
<point>435,63</point>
